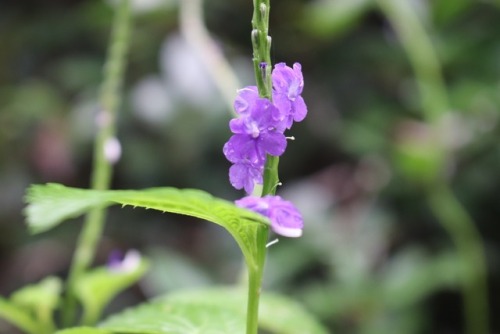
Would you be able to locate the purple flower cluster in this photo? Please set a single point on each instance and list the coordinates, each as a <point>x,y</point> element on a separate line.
<point>259,131</point>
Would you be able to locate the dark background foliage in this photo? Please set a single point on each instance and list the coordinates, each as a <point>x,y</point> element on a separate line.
<point>373,258</point>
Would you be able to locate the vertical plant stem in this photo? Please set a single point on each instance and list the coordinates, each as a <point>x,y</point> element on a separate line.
<point>450,213</point>
<point>255,274</point>
<point>102,169</point>
<point>423,58</point>
<point>261,42</point>
<point>466,238</point>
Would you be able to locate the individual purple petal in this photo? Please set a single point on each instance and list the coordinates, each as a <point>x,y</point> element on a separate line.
<point>244,176</point>
<point>299,109</point>
<point>273,143</point>
<point>254,203</point>
<point>245,99</point>
<point>237,125</point>
<point>285,219</point>
<point>284,105</point>
<point>240,149</point>
<point>270,117</point>
<point>230,153</point>
<point>282,75</point>
<point>297,70</point>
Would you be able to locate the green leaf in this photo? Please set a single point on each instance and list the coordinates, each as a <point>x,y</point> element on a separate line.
<point>221,310</point>
<point>280,314</point>
<point>84,330</point>
<point>41,299</point>
<point>51,204</point>
<point>177,318</point>
<point>173,271</point>
<point>44,294</point>
<point>18,316</point>
<point>97,287</point>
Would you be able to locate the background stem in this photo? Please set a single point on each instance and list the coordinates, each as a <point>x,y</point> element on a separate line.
<point>466,238</point>
<point>196,34</point>
<point>449,211</point>
<point>102,170</point>
<point>422,56</point>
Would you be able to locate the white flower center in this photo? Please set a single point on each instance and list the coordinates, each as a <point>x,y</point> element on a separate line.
<point>254,130</point>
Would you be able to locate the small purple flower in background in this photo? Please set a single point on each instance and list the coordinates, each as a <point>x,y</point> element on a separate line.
<point>285,219</point>
<point>118,263</point>
<point>288,84</point>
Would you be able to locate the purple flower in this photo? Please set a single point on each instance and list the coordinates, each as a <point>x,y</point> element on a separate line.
<point>285,219</point>
<point>123,264</point>
<point>256,133</point>
<point>288,84</point>
<point>259,133</point>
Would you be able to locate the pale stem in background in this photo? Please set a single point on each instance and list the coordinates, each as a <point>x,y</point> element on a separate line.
<point>194,31</point>
<point>443,202</point>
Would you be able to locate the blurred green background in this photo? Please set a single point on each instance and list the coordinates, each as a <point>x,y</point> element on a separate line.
<point>373,258</point>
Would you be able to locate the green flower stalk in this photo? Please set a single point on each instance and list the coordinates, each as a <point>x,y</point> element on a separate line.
<point>261,42</point>
<point>106,152</point>
<point>264,113</point>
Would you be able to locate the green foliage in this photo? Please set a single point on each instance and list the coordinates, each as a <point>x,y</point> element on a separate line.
<point>177,318</point>
<point>389,297</point>
<point>51,204</point>
<point>413,276</point>
<point>18,316</point>
<point>361,87</point>
<point>221,310</point>
<point>97,287</point>
<point>332,18</point>
<point>84,330</point>
<point>31,307</point>
<point>420,159</point>
<point>41,300</point>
